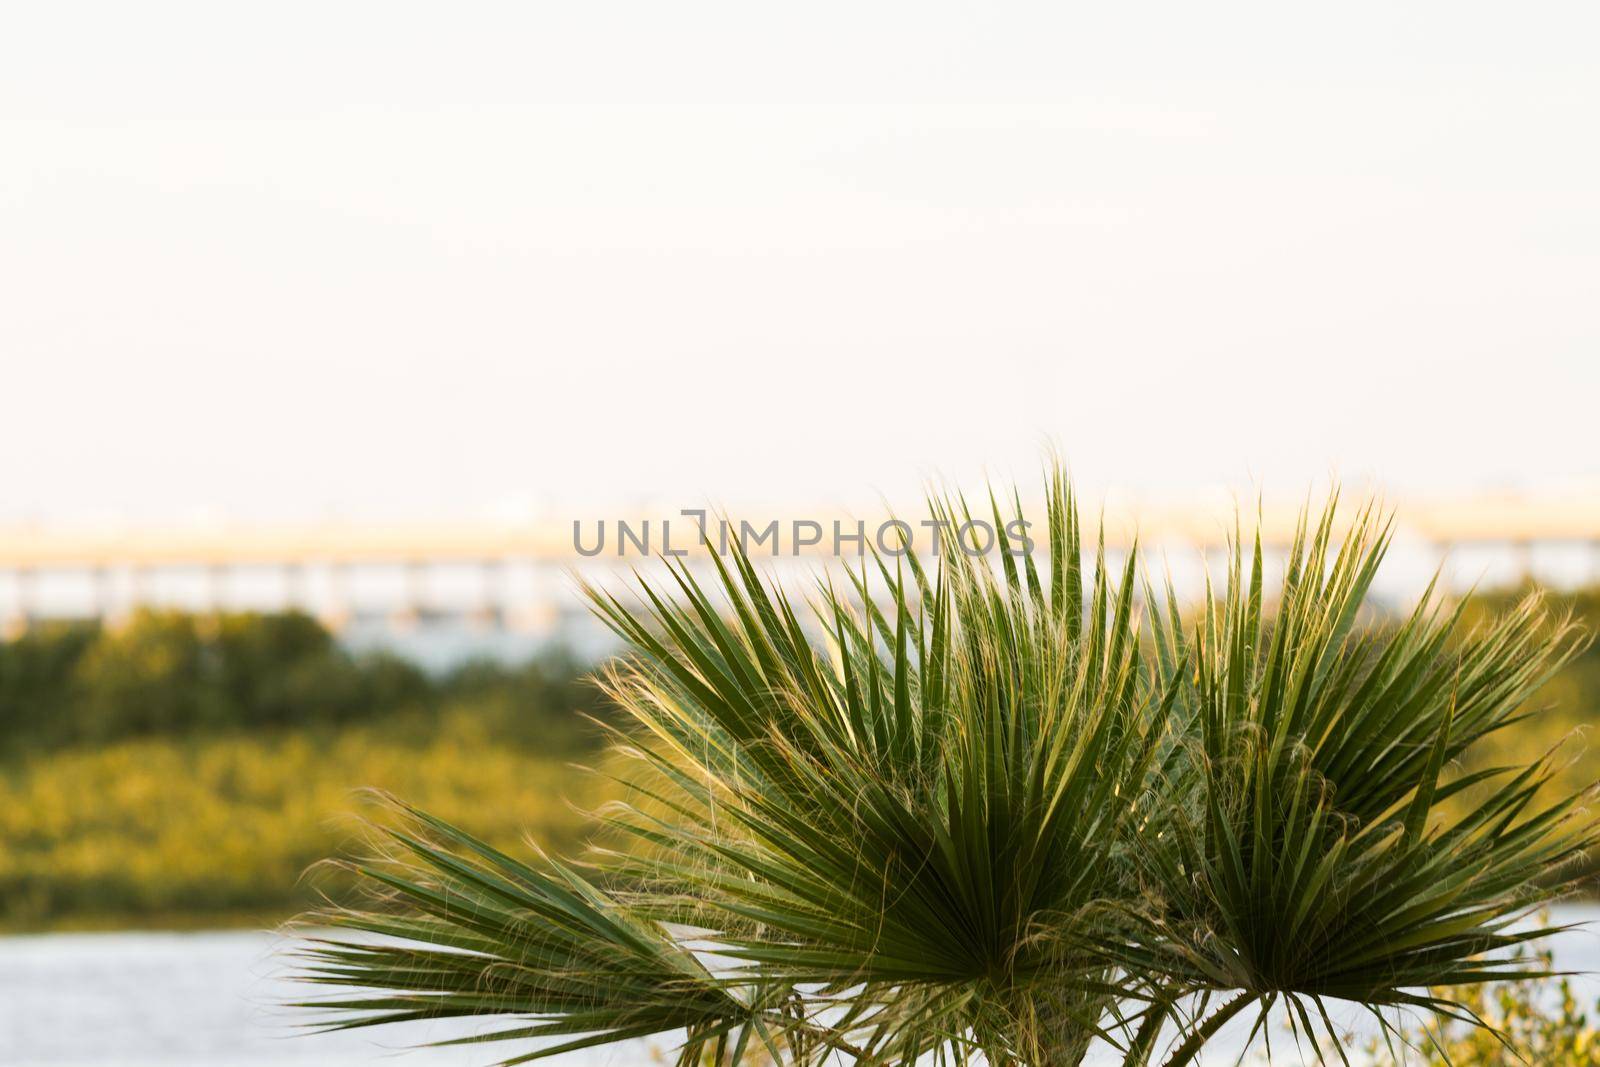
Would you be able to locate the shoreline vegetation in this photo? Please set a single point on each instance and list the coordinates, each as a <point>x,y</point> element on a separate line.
<point>180,771</point>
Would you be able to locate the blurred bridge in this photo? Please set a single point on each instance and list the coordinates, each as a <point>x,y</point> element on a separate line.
<point>514,576</point>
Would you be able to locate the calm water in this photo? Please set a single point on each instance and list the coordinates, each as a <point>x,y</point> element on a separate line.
<point>212,999</point>
<point>190,999</point>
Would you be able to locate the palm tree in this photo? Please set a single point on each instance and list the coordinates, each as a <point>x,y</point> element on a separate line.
<point>957,811</point>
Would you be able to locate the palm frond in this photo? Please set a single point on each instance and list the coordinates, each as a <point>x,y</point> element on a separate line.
<point>1007,806</point>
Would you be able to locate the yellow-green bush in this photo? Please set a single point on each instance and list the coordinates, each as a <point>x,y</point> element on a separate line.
<point>1535,1023</point>
<point>1541,1023</point>
<point>189,768</point>
<point>208,829</point>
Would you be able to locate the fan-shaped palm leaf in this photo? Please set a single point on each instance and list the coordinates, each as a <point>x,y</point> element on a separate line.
<point>965,806</point>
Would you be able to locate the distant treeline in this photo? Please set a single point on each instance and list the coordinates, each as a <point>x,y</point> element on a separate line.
<point>168,673</point>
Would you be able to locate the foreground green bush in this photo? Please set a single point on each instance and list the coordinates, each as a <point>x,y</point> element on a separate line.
<point>984,811</point>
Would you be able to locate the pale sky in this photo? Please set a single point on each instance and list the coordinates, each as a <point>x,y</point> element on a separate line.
<point>280,261</point>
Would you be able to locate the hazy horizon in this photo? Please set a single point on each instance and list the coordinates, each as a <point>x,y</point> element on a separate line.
<point>369,262</point>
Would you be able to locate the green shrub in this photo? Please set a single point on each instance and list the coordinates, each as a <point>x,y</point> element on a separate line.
<point>179,767</point>
<point>1531,1023</point>
<point>1541,1023</point>
<point>171,673</point>
<point>36,680</point>
<point>159,673</point>
<point>546,700</point>
<point>210,830</point>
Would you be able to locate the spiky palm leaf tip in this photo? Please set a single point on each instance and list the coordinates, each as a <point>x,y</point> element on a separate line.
<point>1002,810</point>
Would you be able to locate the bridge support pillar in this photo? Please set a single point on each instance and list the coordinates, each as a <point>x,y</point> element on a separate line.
<point>489,613</point>
<point>409,612</point>
<point>1524,556</point>
<point>25,608</point>
<point>336,612</point>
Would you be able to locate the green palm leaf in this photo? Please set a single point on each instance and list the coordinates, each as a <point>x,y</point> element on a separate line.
<point>959,807</point>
